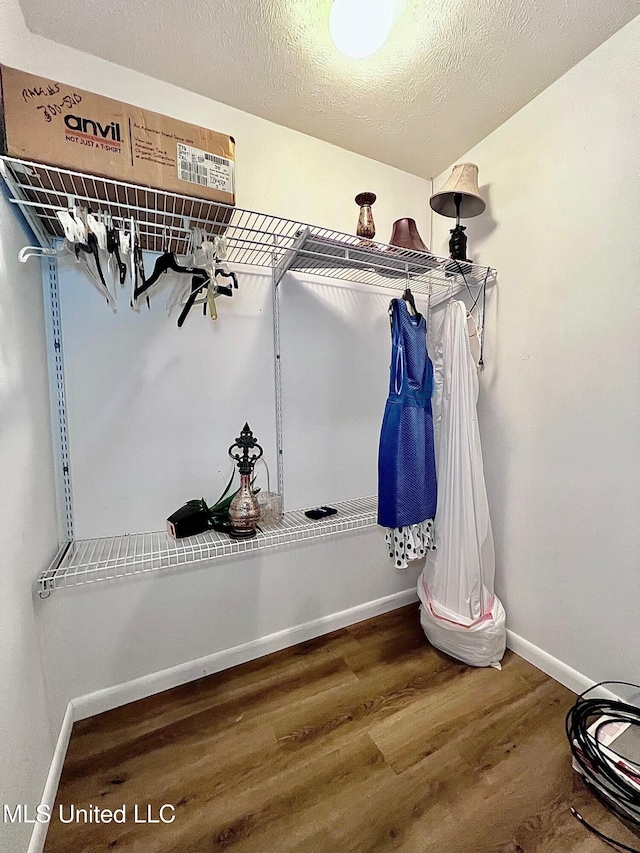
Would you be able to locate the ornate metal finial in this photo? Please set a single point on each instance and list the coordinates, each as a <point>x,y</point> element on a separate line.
<point>248,450</point>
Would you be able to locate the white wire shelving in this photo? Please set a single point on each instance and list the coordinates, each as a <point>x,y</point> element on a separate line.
<point>85,561</point>
<point>165,221</point>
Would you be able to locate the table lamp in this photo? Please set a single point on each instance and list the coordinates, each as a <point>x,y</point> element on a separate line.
<point>459,197</point>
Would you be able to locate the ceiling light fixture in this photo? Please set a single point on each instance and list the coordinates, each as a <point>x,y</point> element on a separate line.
<point>360,27</point>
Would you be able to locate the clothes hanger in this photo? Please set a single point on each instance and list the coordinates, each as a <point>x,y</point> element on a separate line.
<point>226,274</point>
<point>36,252</point>
<point>202,257</point>
<point>408,297</point>
<point>91,247</point>
<point>95,224</point>
<point>180,294</point>
<point>208,255</point>
<point>197,283</point>
<point>113,247</point>
<point>137,265</point>
<point>165,263</point>
<point>73,225</point>
<point>86,232</point>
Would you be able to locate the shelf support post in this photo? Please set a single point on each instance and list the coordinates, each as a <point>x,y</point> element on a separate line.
<point>275,291</point>
<point>53,326</point>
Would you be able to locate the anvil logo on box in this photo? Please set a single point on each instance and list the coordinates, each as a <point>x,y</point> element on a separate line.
<point>92,128</point>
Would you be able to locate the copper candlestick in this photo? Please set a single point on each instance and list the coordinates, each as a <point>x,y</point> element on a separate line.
<point>366,226</point>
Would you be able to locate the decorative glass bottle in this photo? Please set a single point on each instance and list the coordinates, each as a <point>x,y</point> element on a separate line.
<point>244,511</point>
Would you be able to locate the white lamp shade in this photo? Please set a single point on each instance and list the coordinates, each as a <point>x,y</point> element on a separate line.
<point>462,181</point>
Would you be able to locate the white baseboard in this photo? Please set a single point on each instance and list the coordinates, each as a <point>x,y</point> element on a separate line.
<point>148,685</point>
<point>566,675</point>
<point>39,834</point>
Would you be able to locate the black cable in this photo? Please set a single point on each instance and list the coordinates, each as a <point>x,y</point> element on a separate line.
<point>617,845</point>
<point>482,321</point>
<point>620,795</point>
<point>466,284</point>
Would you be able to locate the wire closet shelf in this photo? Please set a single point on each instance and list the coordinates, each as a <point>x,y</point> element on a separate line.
<point>166,220</point>
<point>85,561</point>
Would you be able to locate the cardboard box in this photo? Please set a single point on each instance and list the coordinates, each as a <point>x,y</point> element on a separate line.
<point>64,126</point>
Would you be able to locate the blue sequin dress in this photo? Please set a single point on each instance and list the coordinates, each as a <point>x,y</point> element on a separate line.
<point>407,490</point>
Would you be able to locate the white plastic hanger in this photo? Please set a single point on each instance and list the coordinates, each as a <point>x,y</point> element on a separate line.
<point>73,225</point>
<point>36,252</point>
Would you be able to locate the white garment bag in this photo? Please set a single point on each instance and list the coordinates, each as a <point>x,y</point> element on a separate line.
<point>460,613</point>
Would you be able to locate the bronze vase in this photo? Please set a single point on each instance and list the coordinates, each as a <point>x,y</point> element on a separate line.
<point>366,226</point>
<point>244,510</point>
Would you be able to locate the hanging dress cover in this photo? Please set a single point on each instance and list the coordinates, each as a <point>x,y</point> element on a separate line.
<point>406,462</point>
<point>460,613</point>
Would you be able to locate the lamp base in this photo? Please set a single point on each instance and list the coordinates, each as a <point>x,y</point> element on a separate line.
<point>458,244</point>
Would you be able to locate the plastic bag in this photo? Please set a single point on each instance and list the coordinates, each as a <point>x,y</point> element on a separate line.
<point>478,643</point>
<point>460,613</point>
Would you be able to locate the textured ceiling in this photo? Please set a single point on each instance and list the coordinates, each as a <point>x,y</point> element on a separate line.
<point>451,72</point>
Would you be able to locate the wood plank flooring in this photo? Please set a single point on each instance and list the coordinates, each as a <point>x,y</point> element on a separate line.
<point>364,740</point>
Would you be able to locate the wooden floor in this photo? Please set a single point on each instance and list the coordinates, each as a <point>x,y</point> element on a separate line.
<point>364,740</point>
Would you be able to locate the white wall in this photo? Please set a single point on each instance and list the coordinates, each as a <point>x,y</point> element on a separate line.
<point>560,397</point>
<point>100,636</point>
<point>335,374</point>
<point>152,409</point>
<point>28,533</point>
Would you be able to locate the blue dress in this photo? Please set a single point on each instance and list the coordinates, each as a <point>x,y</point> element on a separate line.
<point>407,490</point>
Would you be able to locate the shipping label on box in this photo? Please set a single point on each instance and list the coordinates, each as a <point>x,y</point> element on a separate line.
<point>61,125</point>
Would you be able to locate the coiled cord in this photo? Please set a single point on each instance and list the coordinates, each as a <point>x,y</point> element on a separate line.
<point>609,780</point>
